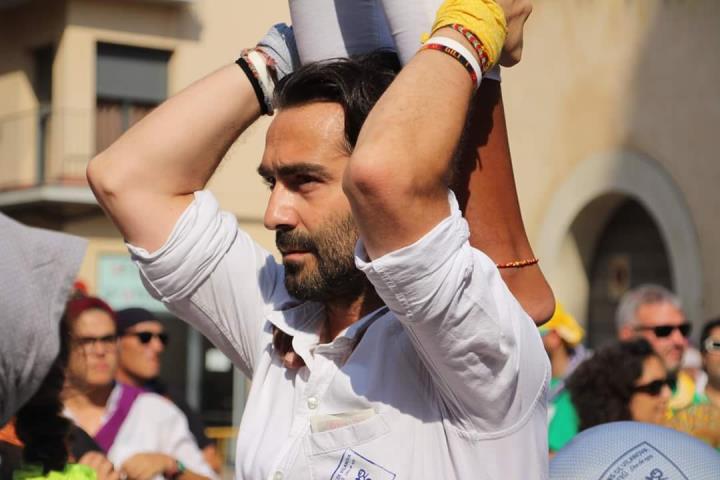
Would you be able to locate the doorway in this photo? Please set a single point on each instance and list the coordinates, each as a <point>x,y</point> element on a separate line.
<point>629,251</point>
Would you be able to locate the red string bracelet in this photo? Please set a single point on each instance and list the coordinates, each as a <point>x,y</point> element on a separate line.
<point>519,263</point>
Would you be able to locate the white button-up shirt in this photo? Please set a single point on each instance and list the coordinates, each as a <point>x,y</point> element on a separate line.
<point>447,381</point>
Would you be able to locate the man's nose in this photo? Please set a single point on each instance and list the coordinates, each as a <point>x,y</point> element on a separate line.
<point>678,338</point>
<point>280,213</point>
<point>666,392</point>
<point>157,344</point>
<point>100,349</point>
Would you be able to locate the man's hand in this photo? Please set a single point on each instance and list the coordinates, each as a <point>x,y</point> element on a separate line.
<point>104,469</point>
<point>516,14</point>
<point>144,466</point>
<point>279,46</point>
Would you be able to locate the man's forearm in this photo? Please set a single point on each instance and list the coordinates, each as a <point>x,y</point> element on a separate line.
<point>146,178</point>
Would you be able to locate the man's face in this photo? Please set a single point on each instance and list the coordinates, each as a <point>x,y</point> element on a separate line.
<point>711,359</point>
<point>304,162</point>
<point>93,353</point>
<point>140,349</point>
<point>671,347</point>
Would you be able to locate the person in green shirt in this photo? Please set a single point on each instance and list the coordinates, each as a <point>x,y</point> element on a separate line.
<point>562,338</point>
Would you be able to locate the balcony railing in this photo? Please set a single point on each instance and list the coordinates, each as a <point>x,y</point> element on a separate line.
<point>46,147</point>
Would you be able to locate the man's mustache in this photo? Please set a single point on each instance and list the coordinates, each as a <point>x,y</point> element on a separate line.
<point>292,240</point>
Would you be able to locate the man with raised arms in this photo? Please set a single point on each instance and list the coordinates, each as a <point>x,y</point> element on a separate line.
<point>408,357</point>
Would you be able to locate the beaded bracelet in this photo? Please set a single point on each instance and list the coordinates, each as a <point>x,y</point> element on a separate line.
<point>519,263</point>
<point>477,46</point>
<point>459,53</point>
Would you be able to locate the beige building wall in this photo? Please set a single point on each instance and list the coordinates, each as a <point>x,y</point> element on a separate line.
<point>203,37</point>
<point>629,94</point>
<point>21,32</point>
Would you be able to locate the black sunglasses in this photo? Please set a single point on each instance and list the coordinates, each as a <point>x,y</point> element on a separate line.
<point>145,337</point>
<point>666,330</point>
<point>653,388</point>
<point>712,345</point>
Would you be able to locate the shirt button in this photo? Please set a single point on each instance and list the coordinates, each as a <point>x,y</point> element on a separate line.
<point>278,476</point>
<point>312,403</point>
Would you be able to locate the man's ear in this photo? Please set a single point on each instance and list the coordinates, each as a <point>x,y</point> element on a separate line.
<point>626,333</point>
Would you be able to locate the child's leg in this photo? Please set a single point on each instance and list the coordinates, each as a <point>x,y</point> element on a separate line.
<point>338,28</point>
<point>485,187</point>
<point>409,20</point>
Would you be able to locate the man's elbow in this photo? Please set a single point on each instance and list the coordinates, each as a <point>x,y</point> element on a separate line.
<point>368,180</point>
<point>104,180</point>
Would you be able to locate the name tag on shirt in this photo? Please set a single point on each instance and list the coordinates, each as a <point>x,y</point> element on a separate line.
<point>354,466</point>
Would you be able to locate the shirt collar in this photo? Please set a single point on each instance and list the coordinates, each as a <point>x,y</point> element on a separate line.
<point>304,321</point>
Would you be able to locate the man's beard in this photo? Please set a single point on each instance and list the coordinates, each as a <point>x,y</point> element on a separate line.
<point>332,275</point>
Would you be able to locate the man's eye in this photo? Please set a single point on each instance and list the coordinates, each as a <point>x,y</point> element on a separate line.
<point>269,181</point>
<point>300,180</point>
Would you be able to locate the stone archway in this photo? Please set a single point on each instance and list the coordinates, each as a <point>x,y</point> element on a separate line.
<point>580,209</point>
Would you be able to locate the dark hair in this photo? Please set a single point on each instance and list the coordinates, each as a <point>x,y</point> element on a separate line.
<point>40,424</point>
<point>356,83</point>
<point>707,328</point>
<point>601,387</point>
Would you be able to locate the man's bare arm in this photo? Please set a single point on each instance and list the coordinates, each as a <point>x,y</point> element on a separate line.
<point>396,179</point>
<point>145,180</point>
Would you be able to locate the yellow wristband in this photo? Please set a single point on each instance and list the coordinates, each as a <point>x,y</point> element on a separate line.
<point>484,18</point>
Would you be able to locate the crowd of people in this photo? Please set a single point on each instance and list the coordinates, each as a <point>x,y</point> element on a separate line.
<point>397,338</point>
<point>124,421</point>
<point>638,377</point>
<point>110,410</point>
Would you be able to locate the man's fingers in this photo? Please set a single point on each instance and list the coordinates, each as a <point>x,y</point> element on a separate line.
<point>103,467</point>
<point>91,459</point>
<point>140,467</point>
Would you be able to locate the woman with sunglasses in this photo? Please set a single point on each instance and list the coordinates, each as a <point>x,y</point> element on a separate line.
<point>621,381</point>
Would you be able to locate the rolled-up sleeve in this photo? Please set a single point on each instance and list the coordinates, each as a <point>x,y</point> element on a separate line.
<point>214,276</point>
<point>482,350</point>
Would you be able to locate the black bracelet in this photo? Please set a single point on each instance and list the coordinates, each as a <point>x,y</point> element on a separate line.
<point>255,84</point>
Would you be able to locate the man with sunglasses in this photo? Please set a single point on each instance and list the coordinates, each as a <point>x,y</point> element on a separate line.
<point>654,313</point>
<point>141,342</point>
